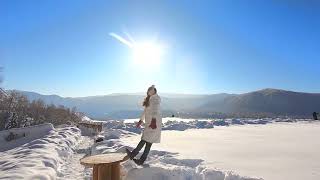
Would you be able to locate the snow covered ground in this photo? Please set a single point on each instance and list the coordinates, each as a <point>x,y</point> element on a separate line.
<point>71,168</point>
<point>161,164</point>
<point>190,149</point>
<point>44,149</point>
<point>274,151</point>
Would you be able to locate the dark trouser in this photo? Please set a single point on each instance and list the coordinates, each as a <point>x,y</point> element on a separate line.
<point>145,152</point>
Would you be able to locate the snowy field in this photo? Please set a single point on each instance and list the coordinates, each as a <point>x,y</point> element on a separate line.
<point>274,151</point>
<point>161,164</point>
<point>233,149</point>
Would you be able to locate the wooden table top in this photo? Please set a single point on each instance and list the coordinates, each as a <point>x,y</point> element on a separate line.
<point>109,158</point>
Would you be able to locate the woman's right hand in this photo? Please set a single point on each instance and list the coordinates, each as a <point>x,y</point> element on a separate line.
<point>153,124</point>
<point>139,124</point>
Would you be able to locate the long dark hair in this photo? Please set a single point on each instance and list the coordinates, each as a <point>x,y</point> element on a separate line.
<point>146,102</point>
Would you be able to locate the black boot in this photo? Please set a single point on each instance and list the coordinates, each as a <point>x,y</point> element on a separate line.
<point>144,155</point>
<point>129,153</point>
<point>138,161</point>
<point>136,150</point>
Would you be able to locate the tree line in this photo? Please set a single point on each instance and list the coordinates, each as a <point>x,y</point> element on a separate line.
<point>17,111</point>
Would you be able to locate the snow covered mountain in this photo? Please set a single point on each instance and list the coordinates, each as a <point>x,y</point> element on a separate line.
<point>266,101</point>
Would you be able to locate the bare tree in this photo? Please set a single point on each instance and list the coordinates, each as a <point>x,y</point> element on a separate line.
<point>37,110</point>
<point>17,111</point>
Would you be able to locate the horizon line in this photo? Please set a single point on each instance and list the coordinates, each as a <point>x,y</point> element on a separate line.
<point>173,93</point>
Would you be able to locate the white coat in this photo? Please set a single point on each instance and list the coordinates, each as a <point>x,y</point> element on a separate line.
<point>152,111</point>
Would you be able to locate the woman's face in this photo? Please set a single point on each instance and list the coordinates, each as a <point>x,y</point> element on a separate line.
<point>151,92</point>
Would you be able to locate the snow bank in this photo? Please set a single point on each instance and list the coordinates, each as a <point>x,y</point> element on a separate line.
<point>160,165</point>
<point>183,124</point>
<point>40,158</point>
<point>179,124</point>
<point>23,135</point>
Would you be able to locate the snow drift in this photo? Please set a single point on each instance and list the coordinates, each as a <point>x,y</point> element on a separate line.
<point>39,158</point>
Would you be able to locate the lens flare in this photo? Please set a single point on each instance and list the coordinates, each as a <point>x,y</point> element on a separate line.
<point>143,53</point>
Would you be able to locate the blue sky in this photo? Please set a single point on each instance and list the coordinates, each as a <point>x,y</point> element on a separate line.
<point>64,47</point>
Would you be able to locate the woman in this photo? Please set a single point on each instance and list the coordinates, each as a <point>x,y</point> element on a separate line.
<point>153,124</point>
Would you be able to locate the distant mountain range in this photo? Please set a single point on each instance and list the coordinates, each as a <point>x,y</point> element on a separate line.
<point>266,102</point>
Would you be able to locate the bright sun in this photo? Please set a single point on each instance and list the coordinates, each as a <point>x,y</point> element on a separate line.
<point>146,53</point>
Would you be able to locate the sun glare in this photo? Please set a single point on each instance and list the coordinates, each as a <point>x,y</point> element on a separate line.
<point>145,53</point>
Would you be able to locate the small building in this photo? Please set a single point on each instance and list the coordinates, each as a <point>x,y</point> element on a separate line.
<point>90,127</point>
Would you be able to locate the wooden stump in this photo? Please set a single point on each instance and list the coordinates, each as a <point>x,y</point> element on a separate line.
<point>105,166</point>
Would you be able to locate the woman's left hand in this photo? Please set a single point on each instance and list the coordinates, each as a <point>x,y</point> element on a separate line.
<point>153,124</point>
